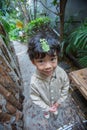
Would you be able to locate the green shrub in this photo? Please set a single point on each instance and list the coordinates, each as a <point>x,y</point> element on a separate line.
<point>15,27</point>
<point>37,25</point>
<point>78,44</point>
<point>5,24</point>
<point>5,28</point>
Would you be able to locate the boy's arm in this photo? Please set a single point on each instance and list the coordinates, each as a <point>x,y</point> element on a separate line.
<point>36,98</point>
<point>64,89</point>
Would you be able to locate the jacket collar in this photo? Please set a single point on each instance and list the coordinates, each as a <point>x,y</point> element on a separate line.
<point>43,77</point>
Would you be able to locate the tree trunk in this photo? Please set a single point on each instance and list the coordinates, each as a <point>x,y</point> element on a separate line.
<point>62,14</point>
<point>22,7</point>
<point>35,9</point>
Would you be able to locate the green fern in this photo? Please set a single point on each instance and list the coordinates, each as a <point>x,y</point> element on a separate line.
<point>83,61</point>
<point>78,44</point>
<point>81,53</point>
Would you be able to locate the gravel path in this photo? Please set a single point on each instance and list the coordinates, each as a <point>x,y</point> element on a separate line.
<point>33,116</point>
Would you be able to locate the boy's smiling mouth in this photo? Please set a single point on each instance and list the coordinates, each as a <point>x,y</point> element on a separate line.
<point>48,73</point>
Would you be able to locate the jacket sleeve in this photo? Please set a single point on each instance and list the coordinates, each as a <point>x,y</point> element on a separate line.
<point>36,98</point>
<point>64,89</point>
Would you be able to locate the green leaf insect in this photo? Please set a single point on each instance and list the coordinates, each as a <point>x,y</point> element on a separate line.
<point>44,45</point>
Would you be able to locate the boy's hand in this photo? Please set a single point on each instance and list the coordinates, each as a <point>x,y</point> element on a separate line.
<point>56,104</point>
<point>54,107</point>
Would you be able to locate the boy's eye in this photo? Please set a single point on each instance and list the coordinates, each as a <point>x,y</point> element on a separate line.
<point>53,59</point>
<point>40,61</point>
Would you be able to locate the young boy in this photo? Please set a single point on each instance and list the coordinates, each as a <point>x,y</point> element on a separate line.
<point>49,84</point>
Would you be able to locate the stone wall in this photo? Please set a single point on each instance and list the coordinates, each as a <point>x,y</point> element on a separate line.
<point>10,87</point>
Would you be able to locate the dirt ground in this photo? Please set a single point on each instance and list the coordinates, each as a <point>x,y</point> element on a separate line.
<point>33,119</point>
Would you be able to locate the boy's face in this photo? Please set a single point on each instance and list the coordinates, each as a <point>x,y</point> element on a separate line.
<point>46,65</point>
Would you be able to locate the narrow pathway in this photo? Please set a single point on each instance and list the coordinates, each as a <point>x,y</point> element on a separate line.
<point>25,65</point>
<point>33,117</point>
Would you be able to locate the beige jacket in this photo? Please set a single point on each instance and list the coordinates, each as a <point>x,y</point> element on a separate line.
<point>45,91</point>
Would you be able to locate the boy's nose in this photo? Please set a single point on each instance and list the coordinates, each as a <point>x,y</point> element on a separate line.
<point>48,65</point>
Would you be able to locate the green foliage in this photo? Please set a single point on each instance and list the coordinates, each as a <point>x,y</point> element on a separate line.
<point>78,44</point>
<point>82,56</point>
<point>13,34</point>
<point>83,61</point>
<point>5,28</point>
<point>14,31</point>
<point>6,6</point>
<point>55,2</point>
<point>36,25</point>
<point>5,23</point>
<point>10,28</point>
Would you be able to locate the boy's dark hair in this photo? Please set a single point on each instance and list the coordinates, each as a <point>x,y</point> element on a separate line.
<point>35,48</point>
